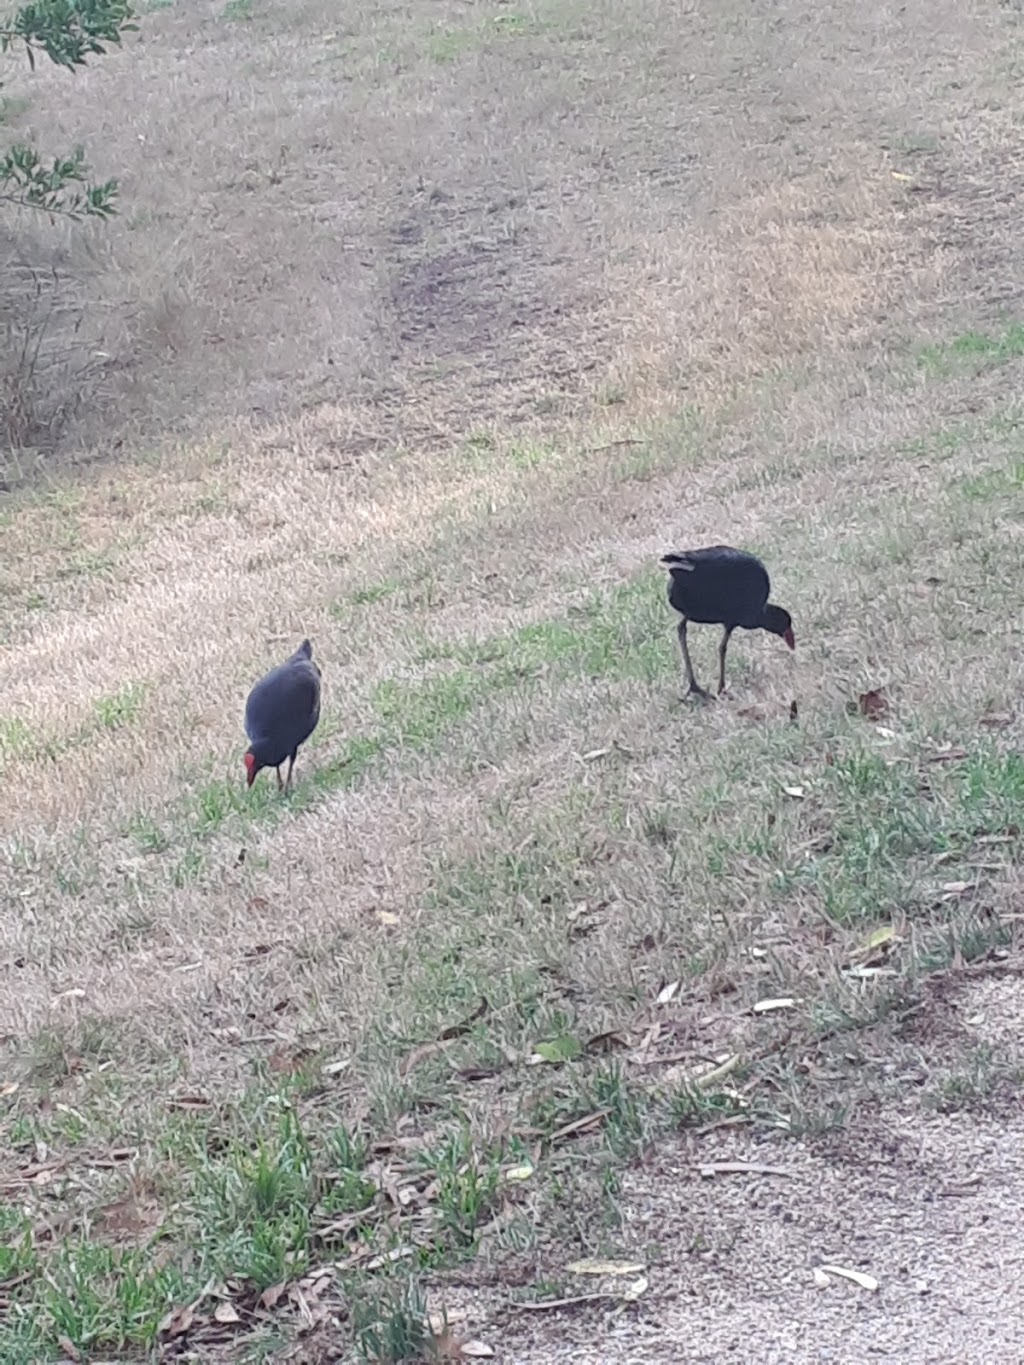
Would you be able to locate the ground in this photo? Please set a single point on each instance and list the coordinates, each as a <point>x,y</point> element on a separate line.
<point>423,331</point>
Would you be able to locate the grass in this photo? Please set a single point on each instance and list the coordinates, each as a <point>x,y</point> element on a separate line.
<point>976,349</point>
<point>527,924</point>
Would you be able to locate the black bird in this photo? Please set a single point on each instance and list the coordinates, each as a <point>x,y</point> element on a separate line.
<point>722,586</point>
<point>281,713</point>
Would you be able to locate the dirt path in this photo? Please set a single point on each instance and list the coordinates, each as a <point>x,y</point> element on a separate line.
<point>926,1203</point>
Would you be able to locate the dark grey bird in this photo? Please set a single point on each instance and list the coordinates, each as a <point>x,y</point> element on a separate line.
<point>722,586</point>
<point>281,712</point>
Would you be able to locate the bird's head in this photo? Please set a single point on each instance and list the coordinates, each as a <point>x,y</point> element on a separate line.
<point>779,622</point>
<point>252,767</point>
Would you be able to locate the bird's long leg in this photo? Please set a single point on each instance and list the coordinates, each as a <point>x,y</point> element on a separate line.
<point>280,784</point>
<point>721,658</point>
<point>291,765</point>
<point>693,686</point>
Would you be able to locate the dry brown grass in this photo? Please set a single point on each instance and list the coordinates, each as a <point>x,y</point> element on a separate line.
<point>428,331</point>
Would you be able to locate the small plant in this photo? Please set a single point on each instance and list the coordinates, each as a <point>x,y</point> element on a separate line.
<point>390,1323</point>
<point>467,1182</point>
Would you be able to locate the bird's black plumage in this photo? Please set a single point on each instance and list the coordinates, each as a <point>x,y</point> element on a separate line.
<point>281,712</point>
<point>721,586</point>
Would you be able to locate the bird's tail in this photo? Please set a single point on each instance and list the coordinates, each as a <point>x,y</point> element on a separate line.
<point>676,560</point>
<point>304,651</point>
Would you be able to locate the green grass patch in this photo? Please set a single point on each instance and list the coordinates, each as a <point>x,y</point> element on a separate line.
<point>111,712</point>
<point>16,738</point>
<point>374,592</point>
<point>446,46</point>
<point>995,484</point>
<point>973,350</point>
<point>120,708</point>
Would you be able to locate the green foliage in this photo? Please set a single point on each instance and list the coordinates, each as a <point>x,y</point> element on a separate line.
<point>68,32</point>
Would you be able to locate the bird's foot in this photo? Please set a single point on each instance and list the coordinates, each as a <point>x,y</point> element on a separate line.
<point>695,690</point>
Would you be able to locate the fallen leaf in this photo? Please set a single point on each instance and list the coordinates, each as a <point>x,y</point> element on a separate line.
<point>717,1073</point>
<point>594,1266</point>
<point>562,1049</point>
<point>439,1323</point>
<point>885,934</point>
<point>965,1187</point>
<point>75,993</point>
<point>284,1062</point>
<point>875,949</point>
<point>69,1348</point>
<point>633,1291</point>
<point>226,1313</point>
<point>595,753</point>
<point>752,712</point>
<point>605,1042</point>
<point>335,1068</point>
<point>388,918</point>
<point>949,754</point>
<point>857,1276</point>
<point>873,704</point>
<point>517,1173</point>
<point>8,1088</point>
<point>475,1350</point>
<point>785,1002</point>
<point>793,710</point>
<point>188,1102</point>
<point>270,1295</point>
<point>578,1126</point>
<point>177,1322</point>
<point>543,1305</point>
<point>797,793</point>
<point>389,1257</point>
<point>477,1073</point>
<point>666,993</point>
<point>820,1278</point>
<point>996,719</point>
<point>431,1049</point>
<point>458,1030</point>
<point>710,1168</point>
<point>417,1055</point>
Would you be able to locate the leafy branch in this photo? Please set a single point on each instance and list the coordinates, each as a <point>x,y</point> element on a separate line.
<point>27,182</point>
<point>68,32</point>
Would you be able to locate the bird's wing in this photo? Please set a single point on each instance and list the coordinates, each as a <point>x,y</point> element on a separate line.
<point>305,684</point>
<point>284,701</point>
